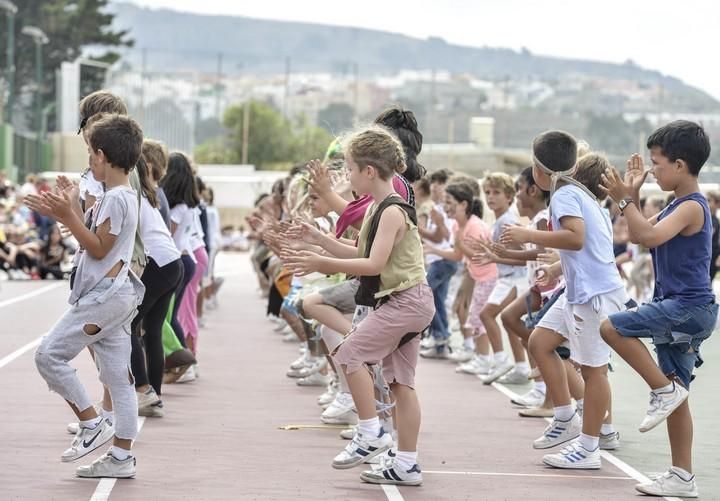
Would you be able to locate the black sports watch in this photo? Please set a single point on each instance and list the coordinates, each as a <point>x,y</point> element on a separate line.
<point>624,203</point>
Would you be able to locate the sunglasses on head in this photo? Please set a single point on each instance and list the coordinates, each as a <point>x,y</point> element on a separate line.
<point>83,123</point>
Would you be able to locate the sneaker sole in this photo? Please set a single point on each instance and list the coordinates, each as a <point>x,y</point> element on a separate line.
<point>131,475</point>
<point>673,409</point>
<point>384,481</point>
<point>565,466</point>
<point>151,412</point>
<point>358,462</point>
<point>679,494</point>
<point>339,420</point>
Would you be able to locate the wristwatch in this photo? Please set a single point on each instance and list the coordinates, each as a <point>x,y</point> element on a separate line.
<point>624,203</point>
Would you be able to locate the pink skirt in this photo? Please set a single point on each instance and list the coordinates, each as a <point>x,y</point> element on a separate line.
<point>187,313</point>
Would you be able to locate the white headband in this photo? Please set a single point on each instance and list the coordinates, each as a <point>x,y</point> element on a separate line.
<point>565,175</point>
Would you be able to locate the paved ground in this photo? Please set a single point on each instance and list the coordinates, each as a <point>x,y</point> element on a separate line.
<point>220,438</point>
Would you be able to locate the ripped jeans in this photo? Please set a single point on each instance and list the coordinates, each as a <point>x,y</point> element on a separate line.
<point>105,327</point>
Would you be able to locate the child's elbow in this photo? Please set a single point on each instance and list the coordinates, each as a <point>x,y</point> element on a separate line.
<point>575,245</point>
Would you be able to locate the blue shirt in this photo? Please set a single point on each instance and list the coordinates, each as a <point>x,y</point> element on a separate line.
<point>682,264</point>
<point>590,271</point>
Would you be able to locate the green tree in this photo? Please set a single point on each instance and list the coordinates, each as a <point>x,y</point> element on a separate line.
<point>336,117</point>
<point>70,25</point>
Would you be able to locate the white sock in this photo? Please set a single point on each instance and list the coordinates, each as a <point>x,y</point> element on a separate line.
<point>500,357</point>
<point>607,429</point>
<point>91,423</point>
<point>665,389</point>
<point>588,442</point>
<point>684,474</point>
<point>484,358</point>
<point>522,367</point>
<point>108,415</point>
<point>369,428</point>
<point>120,453</point>
<point>564,412</point>
<point>540,386</point>
<point>469,343</point>
<point>580,405</point>
<point>405,460</point>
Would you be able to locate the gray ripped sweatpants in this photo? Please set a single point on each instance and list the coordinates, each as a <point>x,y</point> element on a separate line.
<point>110,311</point>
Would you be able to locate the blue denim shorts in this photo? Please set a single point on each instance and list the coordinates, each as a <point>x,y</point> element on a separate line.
<point>677,331</point>
<point>290,302</point>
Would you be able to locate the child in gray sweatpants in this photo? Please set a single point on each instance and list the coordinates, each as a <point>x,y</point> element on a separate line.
<point>104,298</point>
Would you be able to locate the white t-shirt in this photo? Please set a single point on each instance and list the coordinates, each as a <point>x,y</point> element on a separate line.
<point>445,244</point>
<point>159,244</point>
<point>89,186</point>
<point>590,271</point>
<point>532,266</point>
<point>213,219</point>
<point>183,217</point>
<point>197,236</point>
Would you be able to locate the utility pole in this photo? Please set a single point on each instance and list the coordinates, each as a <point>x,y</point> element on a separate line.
<point>286,97</point>
<point>10,11</point>
<point>218,85</point>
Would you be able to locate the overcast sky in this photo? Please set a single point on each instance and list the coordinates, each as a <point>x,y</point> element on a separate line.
<point>679,38</point>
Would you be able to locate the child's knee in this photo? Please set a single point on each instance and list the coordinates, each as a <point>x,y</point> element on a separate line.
<point>44,363</point>
<point>607,331</point>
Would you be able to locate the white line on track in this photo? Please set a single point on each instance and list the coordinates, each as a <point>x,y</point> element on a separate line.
<point>552,475</point>
<point>19,352</point>
<point>105,486</point>
<point>32,294</point>
<point>610,458</point>
<point>392,493</point>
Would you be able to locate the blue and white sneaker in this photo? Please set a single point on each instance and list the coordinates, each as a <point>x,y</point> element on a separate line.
<point>559,432</point>
<point>391,474</point>
<point>362,449</point>
<point>574,457</point>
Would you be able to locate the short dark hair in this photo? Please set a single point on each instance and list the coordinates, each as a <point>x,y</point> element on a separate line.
<point>527,175</point>
<point>589,172</point>
<point>179,183</point>
<point>463,192</point>
<point>118,136</point>
<point>100,101</point>
<point>423,185</point>
<point>556,149</point>
<point>682,140</point>
<point>440,176</point>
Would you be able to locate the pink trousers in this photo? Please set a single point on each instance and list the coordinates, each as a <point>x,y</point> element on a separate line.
<point>187,313</point>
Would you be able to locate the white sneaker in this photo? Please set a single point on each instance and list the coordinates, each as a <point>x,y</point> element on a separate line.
<point>662,405</point>
<point>461,355</point>
<point>559,432</point>
<point>610,442</point>
<point>533,398</point>
<point>302,361</point>
<point>380,461</point>
<point>149,404</point>
<point>349,433</point>
<point>72,428</point>
<point>670,484</point>
<point>498,371</point>
<point>361,449</point>
<point>87,440</point>
<point>297,371</point>
<point>107,466</point>
<point>515,376</point>
<point>316,379</point>
<point>188,376</point>
<point>393,475</point>
<point>574,457</point>
<point>327,398</point>
<point>428,342</point>
<point>319,364</point>
<point>340,411</point>
<point>475,367</point>
<point>439,351</point>
<point>290,337</point>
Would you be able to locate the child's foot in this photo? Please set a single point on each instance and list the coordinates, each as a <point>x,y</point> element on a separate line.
<point>87,440</point>
<point>441,351</point>
<point>475,367</point>
<point>362,449</point>
<point>108,466</point>
<point>662,405</point>
<point>316,379</point>
<point>559,432</point>
<point>670,484</point>
<point>533,398</point>
<point>610,442</point>
<point>348,433</point>
<point>515,376</point>
<point>536,412</point>
<point>340,411</point>
<point>461,355</point>
<point>574,457</point>
<point>500,369</point>
<point>149,404</point>
<point>391,474</point>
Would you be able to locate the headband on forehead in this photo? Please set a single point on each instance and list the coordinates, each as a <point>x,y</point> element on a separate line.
<point>565,175</point>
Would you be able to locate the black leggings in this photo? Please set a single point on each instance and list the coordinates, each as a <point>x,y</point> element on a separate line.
<point>189,271</point>
<point>160,285</point>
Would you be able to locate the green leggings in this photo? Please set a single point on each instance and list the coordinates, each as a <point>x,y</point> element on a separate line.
<point>171,344</point>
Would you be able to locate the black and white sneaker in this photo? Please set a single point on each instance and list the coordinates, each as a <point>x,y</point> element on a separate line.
<point>87,440</point>
<point>393,475</point>
<point>362,449</point>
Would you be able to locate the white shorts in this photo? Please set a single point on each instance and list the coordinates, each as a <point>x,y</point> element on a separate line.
<point>504,287</point>
<point>580,325</point>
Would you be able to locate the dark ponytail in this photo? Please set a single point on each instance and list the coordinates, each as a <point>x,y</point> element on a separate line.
<point>463,193</point>
<point>403,124</point>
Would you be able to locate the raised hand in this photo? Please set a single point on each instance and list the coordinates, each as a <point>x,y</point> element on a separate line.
<point>545,275</point>
<point>548,257</point>
<point>319,177</point>
<point>514,235</point>
<point>436,217</point>
<point>302,262</point>
<point>61,205</point>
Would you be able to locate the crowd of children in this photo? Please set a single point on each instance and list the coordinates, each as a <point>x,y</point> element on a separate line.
<point>369,263</point>
<point>140,280</point>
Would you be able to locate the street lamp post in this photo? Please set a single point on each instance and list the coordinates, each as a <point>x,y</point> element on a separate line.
<point>40,39</point>
<point>10,11</point>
